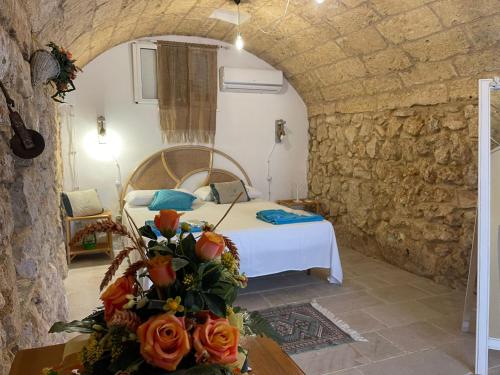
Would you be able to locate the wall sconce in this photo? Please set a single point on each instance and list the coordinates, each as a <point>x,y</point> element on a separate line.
<point>101,130</point>
<point>279,130</point>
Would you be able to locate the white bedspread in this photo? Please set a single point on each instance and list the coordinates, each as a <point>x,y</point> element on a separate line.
<point>265,248</point>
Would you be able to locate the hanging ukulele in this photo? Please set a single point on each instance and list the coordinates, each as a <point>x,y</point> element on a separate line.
<point>25,143</point>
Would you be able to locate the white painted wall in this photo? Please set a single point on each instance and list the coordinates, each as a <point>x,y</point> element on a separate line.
<point>245,126</point>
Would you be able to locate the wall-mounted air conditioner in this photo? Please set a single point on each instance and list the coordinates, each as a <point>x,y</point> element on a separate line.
<point>260,81</point>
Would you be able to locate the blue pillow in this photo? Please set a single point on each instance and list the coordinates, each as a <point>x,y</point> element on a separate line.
<point>171,200</point>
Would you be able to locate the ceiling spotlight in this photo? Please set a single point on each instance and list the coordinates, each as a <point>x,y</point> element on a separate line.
<point>239,43</point>
<point>320,1</point>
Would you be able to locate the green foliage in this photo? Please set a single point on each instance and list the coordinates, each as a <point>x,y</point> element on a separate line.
<point>146,231</point>
<point>81,326</point>
<point>256,324</point>
<point>178,263</point>
<point>215,304</point>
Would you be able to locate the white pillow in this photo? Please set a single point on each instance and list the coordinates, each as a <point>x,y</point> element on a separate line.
<point>253,193</point>
<point>140,197</point>
<point>82,203</point>
<point>204,193</point>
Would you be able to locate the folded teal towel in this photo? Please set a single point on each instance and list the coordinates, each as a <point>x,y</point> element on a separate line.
<point>192,228</point>
<point>278,217</point>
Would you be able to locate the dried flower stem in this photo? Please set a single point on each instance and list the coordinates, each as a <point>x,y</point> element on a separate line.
<point>115,265</point>
<point>229,209</point>
<point>137,236</point>
<point>134,267</point>
<point>232,248</point>
<point>100,227</point>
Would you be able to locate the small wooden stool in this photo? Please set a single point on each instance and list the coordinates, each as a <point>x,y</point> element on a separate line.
<point>102,247</point>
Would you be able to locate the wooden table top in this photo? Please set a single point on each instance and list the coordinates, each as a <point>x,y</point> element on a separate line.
<point>265,358</point>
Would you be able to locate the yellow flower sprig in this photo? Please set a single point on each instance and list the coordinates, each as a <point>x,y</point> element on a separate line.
<point>173,305</point>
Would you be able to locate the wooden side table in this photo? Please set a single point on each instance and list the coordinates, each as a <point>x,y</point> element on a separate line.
<point>265,358</point>
<point>305,204</point>
<point>102,246</point>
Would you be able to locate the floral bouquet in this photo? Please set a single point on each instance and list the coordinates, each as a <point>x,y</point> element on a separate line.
<point>184,322</point>
<point>63,82</point>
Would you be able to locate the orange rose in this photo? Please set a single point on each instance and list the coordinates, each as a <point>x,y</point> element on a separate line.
<point>167,222</point>
<point>209,246</point>
<point>115,295</point>
<point>161,271</point>
<point>164,341</point>
<point>216,341</point>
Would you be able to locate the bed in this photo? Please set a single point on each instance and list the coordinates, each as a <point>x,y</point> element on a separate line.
<point>264,248</point>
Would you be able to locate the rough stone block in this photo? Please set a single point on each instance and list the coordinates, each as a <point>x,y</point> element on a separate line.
<point>341,71</point>
<point>354,19</point>
<point>362,42</point>
<point>344,90</point>
<point>454,12</point>
<point>411,25</point>
<point>485,32</point>
<point>387,61</point>
<point>428,72</point>
<point>390,7</point>
<point>438,46</point>
<point>478,62</point>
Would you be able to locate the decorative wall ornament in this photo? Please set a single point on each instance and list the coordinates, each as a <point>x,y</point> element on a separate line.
<point>44,67</point>
<point>25,143</point>
<point>56,67</point>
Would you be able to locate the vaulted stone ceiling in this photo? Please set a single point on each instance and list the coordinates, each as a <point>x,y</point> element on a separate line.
<point>336,51</point>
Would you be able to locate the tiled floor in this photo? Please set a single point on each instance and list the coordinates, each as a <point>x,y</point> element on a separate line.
<point>412,325</point>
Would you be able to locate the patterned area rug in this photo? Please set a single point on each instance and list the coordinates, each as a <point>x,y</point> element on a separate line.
<point>308,326</point>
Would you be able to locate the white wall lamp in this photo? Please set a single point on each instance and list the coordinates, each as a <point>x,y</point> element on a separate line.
<point>279,134</point>
<point>101,130</point>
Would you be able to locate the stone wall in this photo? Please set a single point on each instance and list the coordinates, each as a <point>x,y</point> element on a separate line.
<point>393,148</point>
<point>32,260</point>
<point>401,184</point>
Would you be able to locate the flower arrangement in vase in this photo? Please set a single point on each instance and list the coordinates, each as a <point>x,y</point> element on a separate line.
<point>184,322</point>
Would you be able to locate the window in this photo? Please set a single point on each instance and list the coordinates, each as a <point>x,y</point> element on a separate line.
<point>144,67</point>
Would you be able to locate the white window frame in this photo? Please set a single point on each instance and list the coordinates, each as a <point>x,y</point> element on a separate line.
<point>137,68</point>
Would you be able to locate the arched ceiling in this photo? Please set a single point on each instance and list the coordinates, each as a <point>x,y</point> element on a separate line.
<point>339,50</point>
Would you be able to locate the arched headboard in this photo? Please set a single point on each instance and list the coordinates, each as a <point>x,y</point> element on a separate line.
<point>171,167</point>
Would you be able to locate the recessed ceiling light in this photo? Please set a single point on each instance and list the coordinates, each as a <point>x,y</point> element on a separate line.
<point>320,1</point>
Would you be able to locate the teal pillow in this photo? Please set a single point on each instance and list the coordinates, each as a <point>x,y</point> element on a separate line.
<point>171,200</point>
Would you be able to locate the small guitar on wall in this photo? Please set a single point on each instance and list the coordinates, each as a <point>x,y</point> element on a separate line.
<point>26,143</point>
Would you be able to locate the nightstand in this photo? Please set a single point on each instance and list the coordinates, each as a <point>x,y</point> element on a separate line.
<point>105,247</point>
<point>305,204</point>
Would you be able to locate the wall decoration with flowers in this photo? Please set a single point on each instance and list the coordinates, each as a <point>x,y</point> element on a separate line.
<point>56,67</point>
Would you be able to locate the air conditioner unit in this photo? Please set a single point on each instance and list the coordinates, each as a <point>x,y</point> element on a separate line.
<point>260,81</point>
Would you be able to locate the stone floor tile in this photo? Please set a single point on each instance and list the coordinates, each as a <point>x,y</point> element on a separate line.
<point>361,321</point>
<point>428,362</point>
<point>417,336</point>
<point>349,302</point>
<point>377,348</point>
<point>397,314</point>
<point>369,281</point>
<point>324,361</point>
<point>398,293</point>
<point>430,286</point>
<point>446,304</point>
<point>353,371</point>
<point>252,302</point>
<point>464,350</point>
